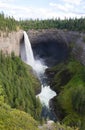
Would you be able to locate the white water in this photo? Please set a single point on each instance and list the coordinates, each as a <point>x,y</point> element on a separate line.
<point>29,54</point>
<point>39,67</point>
<point>45,95</point>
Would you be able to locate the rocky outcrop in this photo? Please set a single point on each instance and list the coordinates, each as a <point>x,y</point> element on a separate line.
<point>55,45</point>
<point>10,42</point>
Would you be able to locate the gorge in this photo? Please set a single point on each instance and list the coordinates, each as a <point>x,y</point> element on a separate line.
<point>52,51</point>
<point>39,68</point>
<point>42,71</point>
<point>55,50</point>
<point>62,54</point>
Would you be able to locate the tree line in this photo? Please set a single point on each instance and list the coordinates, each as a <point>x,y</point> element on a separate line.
<point>68,24</point>
<point>10,24</point>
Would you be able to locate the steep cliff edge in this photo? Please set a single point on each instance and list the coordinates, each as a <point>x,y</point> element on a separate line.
<point>55,45</point>
<point>10,42</point>
<point>52,45</point>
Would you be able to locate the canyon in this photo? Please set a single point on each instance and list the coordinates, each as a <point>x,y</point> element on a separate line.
<point>51,46</point>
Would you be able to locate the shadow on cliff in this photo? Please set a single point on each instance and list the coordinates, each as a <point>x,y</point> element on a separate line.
<point>51,51</point>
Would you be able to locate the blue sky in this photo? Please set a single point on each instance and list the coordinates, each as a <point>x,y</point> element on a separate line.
<point>43,9</point>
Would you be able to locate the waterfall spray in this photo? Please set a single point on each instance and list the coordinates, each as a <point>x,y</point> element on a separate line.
<point>39,67</point>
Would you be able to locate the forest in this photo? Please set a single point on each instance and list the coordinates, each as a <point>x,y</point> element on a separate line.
<point>10,24</point>
<point>68,24</point>
<point>19,108</point>
<point>19,85</point>
<point>69,83</point>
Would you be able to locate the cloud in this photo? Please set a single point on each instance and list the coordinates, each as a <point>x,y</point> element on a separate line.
<point>27,12</point>
<point>66,7</point>
<point>74,2</point>
<point>69,8</point>
<point>16,11</point>
<point>6,1</point>
<point>62,9</point>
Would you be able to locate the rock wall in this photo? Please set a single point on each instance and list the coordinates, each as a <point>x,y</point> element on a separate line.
<point>49,45</point>
<point>55,45</point>
<point>52,45</point>
<point>10,42</point>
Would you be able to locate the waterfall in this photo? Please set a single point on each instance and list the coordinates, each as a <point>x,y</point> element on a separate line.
<point>39,67</point>
<point>29,53</point>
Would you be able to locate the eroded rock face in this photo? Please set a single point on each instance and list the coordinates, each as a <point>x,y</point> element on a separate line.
<point>54,46</point>
<point>49,45</point>
<point>10,42</point>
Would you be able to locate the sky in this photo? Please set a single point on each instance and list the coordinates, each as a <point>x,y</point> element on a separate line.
<point>43,9</point>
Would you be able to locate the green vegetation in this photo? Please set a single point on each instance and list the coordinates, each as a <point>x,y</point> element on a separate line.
<point>68,24</point>
<point>10,24</point>
<point>13,119</point>
<point>19,84</point>
<point>69,82</point>
<point>17,89</point>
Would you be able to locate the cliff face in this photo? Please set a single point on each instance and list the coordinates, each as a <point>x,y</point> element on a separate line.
<point>10,42</point>
<point>54,45</point>
<point>51,45</point>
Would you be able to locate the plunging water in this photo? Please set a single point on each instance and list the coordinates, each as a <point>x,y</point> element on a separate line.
<point>29,59</point>
<point>39,67</point>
